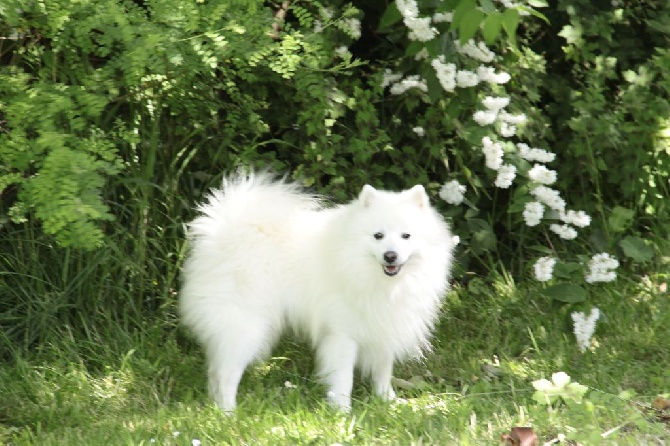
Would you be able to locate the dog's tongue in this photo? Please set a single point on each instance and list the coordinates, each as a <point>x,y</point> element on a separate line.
<point>391,270</point>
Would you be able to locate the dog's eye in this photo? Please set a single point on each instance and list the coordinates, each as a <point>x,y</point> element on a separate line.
<point>378,235</point>
<point>405,235</point>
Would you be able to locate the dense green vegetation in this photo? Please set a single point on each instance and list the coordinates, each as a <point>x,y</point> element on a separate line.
<point>117,116</point>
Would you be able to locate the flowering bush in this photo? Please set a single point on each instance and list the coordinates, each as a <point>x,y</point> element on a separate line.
<point>108,110</point>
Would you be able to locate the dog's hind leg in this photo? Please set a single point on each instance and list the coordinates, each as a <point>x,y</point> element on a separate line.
<point>230,354</point>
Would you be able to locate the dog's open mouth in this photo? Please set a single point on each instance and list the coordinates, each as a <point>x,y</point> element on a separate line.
<point>391,270</point>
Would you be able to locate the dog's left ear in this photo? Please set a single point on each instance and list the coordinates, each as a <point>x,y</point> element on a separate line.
<point>419,196</point>
<point>367,194</point>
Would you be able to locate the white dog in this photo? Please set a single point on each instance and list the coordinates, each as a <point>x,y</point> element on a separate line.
<point>362,282</point>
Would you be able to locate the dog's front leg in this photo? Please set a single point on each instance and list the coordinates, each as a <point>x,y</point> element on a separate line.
<point>336,358</point>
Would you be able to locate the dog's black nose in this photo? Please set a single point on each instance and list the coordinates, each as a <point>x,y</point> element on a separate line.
<point>390,256</point>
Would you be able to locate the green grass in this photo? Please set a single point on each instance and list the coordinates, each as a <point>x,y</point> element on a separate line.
<point>93,373</point>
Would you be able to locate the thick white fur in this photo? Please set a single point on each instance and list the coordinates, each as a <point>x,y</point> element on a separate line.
<point>265,256</point>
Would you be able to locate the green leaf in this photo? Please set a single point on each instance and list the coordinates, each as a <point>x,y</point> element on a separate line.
<point>464,6</point>
<point>636,249</point>
<point>566,292</point>
<point>531,11</point>
<point>510,23</point>
<point>469,24</point>
<point>620,219</point>
<point>492,26</point>
<point>390,17</point>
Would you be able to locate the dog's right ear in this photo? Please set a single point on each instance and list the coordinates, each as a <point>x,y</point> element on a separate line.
<point>367,194</point>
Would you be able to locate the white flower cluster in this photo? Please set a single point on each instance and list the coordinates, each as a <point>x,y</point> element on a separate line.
<point>466,79</point>
<point>533,212</point>
<point>495,113</point>
<point>544,268</point>
<point>452,192</point>
<point>585,327</point>
<point>539,155</point>
<point>566,232</point>
<point>576,218</point>
<point>488,74</point>
<point>419,27</point>
<point>446,73</point>
<point>601,268</point>
<point>542,175</point>
<point>493,152</point>
<point>443,17</point>
<point>478,51</point>
<point>549,197</point>
<point>351,26</point>
<point>420,131</point>
<point>506,175</point>
<point>409,82</point>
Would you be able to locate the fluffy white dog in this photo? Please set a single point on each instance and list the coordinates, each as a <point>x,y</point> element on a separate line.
<point>363,282</point>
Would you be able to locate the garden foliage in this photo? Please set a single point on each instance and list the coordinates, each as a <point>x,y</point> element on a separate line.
<point>117,115</point>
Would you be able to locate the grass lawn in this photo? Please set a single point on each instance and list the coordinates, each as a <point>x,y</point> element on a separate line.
<point>117,384</point>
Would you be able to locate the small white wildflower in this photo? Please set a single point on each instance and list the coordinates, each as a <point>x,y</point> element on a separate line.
<point>506,130</point>
<point>422,54</point>
<point>542,175</point>
<point>495,103</point>
<point>420,29</point>
<point>452,192</point>
<point>601,268</point>
<point>533,212</point>
<point>409,82</point>
<point>549,197</point>
<point>485,117</point>
<point>446,73</point>
<point>465,79</point>
<point>419,131</point>
<point>342,51</point>
<point>478,51</point>
<point>352,27</point>
<point>493,152</point>
<point>539,155</point>
<point>488,74</point>
<point>565,232</point>
<point>544,268</point>
<point>195,442</point>
<point>389,78</point>
<point>584,327</point>
<point>442,17</point>
<point>407,8</point>
<point>580,218</point>
<point>326,13</point>
<point>290,385</point>
<point>506,175</point>
<point>512,119</point>
<point>175,434</point>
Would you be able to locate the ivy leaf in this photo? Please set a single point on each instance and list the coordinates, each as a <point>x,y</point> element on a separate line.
<point>636,249</point>
<point>566,292</point>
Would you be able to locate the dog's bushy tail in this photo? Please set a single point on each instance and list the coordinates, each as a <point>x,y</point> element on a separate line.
<point>258,201</point>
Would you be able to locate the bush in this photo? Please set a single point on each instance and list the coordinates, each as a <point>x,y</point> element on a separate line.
<point>117,115</point>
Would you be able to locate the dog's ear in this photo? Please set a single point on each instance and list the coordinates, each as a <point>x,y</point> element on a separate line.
<point>418,196</point>
<point>367,194</point>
